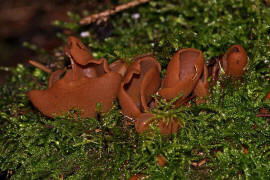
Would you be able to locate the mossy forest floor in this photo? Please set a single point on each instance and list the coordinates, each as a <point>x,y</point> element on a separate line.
<point>224,133</point>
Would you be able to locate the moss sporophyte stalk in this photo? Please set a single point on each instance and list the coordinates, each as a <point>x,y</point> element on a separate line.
<point>216,133</point>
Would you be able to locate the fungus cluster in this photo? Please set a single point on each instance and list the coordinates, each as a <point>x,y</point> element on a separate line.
<point>91,81</point>
<point>88,82</point>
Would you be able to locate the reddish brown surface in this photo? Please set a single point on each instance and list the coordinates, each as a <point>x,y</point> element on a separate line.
<point>187,73</point>
<point>55,76</point>
<point>77,51</point>
<point>143,121</point>
<point>161,161</point>
<point>83,93</point>
<point>141,81</point>
<point>168,128</point>
<point>89,82</point>
<point>183,73</point>
<point>234,61</point>
<point>119,66</point>
<point>137,177</point>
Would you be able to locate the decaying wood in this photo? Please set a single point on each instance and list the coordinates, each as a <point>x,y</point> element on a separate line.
<point>40,66</point>
<point>103,16</point>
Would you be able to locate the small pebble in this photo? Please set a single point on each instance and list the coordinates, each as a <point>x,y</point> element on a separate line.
<point>135,16</point>
<point>85,34</point>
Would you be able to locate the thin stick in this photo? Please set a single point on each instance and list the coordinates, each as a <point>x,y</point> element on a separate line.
<point>40,66</point>
<point>103,16</point>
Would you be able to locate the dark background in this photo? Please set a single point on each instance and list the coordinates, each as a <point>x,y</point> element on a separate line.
<point>31,21</point>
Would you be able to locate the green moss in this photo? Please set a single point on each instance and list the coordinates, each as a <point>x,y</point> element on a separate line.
<point>36,147</point>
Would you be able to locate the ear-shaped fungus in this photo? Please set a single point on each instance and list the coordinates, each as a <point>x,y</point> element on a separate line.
<point>183,73</point>
<point>79,57</point>
<point>83,93</point>
<point>186,73</point>
<point>142,80</point>
<point>77,51</point>
<point>234,61</point>
<point>89,82</point>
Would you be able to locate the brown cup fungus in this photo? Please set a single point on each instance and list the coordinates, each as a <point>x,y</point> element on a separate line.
<point>80,57</point>
<point>141,81</point>
<point>183,74</point>
<point>187,74</point>
<point>89,82</point>
<point>234,61</point>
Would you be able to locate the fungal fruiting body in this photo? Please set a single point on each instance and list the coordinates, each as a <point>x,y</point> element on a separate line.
<point>183,73</point>
<point>232,64</point>
<point>83,93</point>
<point>142,80</point>
<point>186,74</point>
<point>234,61</point>
<point>89,82</point>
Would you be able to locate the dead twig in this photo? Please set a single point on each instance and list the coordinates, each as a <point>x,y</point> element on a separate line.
<point>40,66</point>
<point>103,16</point>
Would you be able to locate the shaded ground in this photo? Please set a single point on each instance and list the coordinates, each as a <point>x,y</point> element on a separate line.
<point>31,21</point>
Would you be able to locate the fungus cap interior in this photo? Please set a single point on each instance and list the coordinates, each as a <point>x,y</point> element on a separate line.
<point>187,60</point>
<point>134,85</point>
